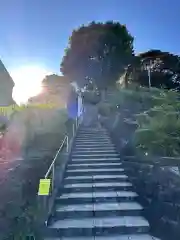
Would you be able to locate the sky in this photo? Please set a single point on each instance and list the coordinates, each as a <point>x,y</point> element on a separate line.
<point>36,32</point>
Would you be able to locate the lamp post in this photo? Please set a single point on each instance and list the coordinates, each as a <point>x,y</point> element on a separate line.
<point>148,67</point>
<point>149,74</point>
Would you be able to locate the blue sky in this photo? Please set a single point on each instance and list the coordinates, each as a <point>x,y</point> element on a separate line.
<point>37,31</point>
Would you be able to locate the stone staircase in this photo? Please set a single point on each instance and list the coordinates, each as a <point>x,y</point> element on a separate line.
<point>96,201</point>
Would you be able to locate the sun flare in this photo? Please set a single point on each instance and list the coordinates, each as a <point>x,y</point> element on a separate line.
<point>27,82</point>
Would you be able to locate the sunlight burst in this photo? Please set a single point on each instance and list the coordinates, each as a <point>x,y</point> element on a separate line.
<point>27,82</point>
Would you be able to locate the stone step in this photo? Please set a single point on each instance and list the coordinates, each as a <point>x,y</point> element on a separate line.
<point>87,148</point>
<point>89,135</point>
<point>98,210</point>
<point>93,139</point>
<point>94,151</point>
<point>93,165</point>
<point>91,155</point>
<point>97,145</point>
<point>89,197</point>
<point>98,226</point>
<point>93,135</point>
<point>95,160</point>
<point>97,186</point>
<point>98,136</point>
<point>91,131</point>
<point>93,178</point>
<point>113,237</point>
<point>91,171</point>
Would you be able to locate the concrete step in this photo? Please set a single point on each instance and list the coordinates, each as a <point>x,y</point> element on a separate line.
<point>91,171</point>
<point>99,133</point>
<point>97,186</point>
<point>92,135</point>
<point>114,237</point>
<point>94,141</point>
<point>98,136</point>
<point>117,164</point>
<point>94,151</point>
<point>92,155</point>
<point>98,210</point>
<point>95,196</point>
<point>95,178</point>
<point>87,148</point>
<point>96,160</point>
<point>94,165</point>
<point>94,226</point>
<point>97,144</point>
<point>91,131</point>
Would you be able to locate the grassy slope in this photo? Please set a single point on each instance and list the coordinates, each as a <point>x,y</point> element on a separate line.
<point>19,179</point>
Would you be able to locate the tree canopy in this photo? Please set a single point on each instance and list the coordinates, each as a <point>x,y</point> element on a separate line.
<point>55,83</point>
<point>164,68</point>
<point>98,52</point>
<point>55,89</point>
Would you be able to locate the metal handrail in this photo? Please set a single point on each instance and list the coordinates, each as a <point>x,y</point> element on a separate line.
<point>46,202</point>
<point>54,160</point>
<point>65,140</point>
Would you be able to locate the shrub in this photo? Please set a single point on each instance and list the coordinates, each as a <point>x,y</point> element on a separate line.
<point>159,128</point>
<point>19,213</point>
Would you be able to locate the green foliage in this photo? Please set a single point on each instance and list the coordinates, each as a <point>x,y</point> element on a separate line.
<point>159,127</point>
<point>98,52</point>
<point>158,119</point>
<point>19,206</point>
<point>164,67</point>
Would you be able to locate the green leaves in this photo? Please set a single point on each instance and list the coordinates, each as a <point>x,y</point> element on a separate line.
<point>164,69</point>
<point>98,52</point>
<point>159,127</point>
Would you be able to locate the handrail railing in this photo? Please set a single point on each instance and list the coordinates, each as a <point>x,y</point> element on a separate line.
<point>47,201</point>
<point>65,141</point>
<point>52,166</point>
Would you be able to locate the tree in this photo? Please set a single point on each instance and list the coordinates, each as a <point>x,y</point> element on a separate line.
<point>97,52</point>
<point>55,90</point>
<point>164,69</point>
<point>55,84</point>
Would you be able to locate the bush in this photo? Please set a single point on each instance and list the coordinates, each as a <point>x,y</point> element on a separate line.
<point>156,112</point>
<point>19,213</point>
<point>159,128</point>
